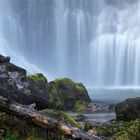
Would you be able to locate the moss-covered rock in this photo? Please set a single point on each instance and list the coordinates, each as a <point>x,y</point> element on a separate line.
<point>39,79</point>
<point>18,129</point>
<point>119,130</point>
<point>128,110</point>
<point>65,93</point>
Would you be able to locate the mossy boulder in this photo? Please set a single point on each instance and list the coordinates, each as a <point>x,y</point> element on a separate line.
<point>128,110</point>
<point>120,130</point>
<point>65,93</point>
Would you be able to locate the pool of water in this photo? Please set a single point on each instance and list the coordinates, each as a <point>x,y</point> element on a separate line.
<point>96,117</point>
<point>113,95</point>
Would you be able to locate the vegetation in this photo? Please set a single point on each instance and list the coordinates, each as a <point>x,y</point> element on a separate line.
<point>65,93</point>
<point>17,129</point>
<point>61,116</point>
<point>120,130</point>
<point>80,106</point>
<point>39,79</point>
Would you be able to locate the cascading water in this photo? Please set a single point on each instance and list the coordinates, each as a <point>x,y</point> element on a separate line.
<point>96,42</point>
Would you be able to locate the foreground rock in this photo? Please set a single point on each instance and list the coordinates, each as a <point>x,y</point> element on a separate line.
<point>120,130</point>
<point>127,125</point>
<point>45,121</point>
<point>62,94</point>
<point>128,110</point>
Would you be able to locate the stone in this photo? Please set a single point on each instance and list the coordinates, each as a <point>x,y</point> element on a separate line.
<point>128,109</point>
<point>4,59</point>
<point>65,93</point>
<point>61,94</point>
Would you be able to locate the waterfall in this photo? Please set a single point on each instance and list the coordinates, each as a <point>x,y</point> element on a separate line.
<point>96,42</point>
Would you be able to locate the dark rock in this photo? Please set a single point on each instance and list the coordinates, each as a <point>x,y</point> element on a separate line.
<point>128,110</point>
<point>4,59</point>
<point>15,85</point>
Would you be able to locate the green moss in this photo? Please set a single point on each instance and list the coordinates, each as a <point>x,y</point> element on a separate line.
<point>17,129</point>
<point>9,133</point>
<point>80,106</point>
<point>63,93</point>
<point>61,116</point>
<point>54,99</point>
<point>39,78</point>
<point>121,136</point>
<point>58,102</point>
<point>80,87</point>
<point>119,130</point>
<point>64,81</point>
<point>70,83</point>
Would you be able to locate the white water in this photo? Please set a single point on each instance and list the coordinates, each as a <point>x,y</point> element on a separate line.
<point>96,42</point>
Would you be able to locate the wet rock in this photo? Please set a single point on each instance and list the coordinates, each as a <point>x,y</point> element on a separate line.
<point>128,110</point>
<point>15,85</point>
<point>4,59</point>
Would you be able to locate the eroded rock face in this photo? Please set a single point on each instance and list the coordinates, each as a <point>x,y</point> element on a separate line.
<point>59,94</point>
<point>128,110</point>
<point>15,85</point>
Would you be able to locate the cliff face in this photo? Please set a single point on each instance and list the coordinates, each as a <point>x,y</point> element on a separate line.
<point>60,94</point>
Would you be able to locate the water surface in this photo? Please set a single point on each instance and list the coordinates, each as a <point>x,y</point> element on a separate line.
<point>113,95</point>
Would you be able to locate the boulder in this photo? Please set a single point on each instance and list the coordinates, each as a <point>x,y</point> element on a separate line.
<point>15,85</point>
<point>60,94</point>
<point>65,93</point>
<point>128,110</point>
